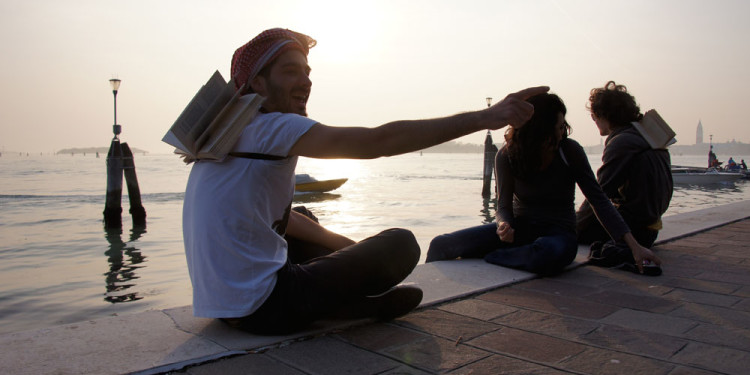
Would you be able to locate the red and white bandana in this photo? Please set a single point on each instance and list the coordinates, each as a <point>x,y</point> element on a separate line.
<point>249,59</point>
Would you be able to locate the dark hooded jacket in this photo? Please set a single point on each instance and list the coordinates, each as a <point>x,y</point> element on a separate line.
<point>637,178</point>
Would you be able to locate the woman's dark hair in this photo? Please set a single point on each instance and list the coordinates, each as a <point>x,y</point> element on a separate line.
<point>614,104</point>
<point>526,144</point>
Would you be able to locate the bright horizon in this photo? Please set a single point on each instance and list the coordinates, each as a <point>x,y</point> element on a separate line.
<point>375,62</point>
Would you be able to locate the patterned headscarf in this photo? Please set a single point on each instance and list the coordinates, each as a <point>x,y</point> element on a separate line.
<point>249,59</point>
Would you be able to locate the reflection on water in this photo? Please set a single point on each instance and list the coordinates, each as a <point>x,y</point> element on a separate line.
<point>121,274</point>
<point>728,186</point>
<point>489,208</point>
<point>315,197</point>
<point>687,198</point>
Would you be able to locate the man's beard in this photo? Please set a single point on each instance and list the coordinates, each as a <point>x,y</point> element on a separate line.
<point>282,102</point>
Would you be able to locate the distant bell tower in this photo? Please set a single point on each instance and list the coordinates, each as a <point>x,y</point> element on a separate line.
<point>699,134</point>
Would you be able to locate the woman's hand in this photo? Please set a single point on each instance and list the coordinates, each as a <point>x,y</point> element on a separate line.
<point>640,253</point>
<point>505,231</point>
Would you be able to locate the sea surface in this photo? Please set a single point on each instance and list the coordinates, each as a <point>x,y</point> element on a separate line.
<point>59,265</point>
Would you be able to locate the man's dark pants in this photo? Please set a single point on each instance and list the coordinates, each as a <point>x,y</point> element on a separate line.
<point>316,282</point>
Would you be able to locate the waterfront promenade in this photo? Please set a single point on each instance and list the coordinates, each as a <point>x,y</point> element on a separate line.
<point>476,319</point>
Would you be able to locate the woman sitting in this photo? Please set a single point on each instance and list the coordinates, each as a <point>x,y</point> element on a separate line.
<point>537,171</point>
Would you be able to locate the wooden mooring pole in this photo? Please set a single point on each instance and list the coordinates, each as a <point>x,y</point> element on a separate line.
<point>489,160</point>
<point>119,162</point>
<point>489,164</point>
<point>113,205</point>
<point>134,192</point>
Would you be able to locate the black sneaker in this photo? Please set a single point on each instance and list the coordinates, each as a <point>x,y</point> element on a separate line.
<point>609,254</point>
<point>649,269</point>
<point>395,302</point>
<point>398,301</point>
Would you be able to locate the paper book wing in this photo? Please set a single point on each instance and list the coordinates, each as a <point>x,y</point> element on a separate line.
<point>646,135</point>
<point>655,130</point>
<point>172,140</point>
<point>230,125</point>
<point>191,123</point>
<point>218,120</point>
<point>659,123</point>
<point>219,101</point>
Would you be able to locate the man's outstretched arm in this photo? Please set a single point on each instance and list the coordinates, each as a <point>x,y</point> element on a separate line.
<point>400,137</point>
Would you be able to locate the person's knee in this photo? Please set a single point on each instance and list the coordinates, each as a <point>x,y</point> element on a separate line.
<point>436,251</point>
<point>552,255</point>
<point>401,235</point>
<point>403,242</point>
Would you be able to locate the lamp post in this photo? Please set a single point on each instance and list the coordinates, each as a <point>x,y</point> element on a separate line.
<point>120,161</point>
<point>115,83</point>
<point>489,159</point>
<point>113,205</point>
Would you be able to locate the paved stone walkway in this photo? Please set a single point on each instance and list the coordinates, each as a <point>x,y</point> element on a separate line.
<point>694,319</point>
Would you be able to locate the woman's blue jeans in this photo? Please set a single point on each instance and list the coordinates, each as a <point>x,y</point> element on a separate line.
<point>543,250</point>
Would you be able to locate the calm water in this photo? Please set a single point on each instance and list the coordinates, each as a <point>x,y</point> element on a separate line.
<point>58,264</point>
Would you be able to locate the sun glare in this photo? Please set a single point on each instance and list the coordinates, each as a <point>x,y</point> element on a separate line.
<point>346,31</point>
<point>326,169</point>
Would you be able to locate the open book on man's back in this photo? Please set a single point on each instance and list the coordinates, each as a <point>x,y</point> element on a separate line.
<point>655,130</point>
<point>212,122</point>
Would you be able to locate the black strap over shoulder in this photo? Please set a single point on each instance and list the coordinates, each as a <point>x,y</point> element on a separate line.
<point>253,155</point>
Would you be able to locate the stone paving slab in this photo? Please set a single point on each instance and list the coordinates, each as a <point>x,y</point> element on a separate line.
<point>236,340</point>
<point>563,325</point>
<point>105,346</point>
<point>677,226</point>
<point>704,292</point>
<point>455,281</point>
<point>330,356</point>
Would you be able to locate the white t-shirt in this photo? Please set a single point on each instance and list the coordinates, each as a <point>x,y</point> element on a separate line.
<point>234,217</point>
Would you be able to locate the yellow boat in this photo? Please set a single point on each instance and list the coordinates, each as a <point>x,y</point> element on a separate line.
<point>307,184</point>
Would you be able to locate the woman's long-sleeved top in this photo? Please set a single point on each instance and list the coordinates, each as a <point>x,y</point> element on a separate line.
<point>548,196</point>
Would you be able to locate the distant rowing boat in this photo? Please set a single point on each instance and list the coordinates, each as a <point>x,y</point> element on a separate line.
<point>305,183</point>
<point>699,176</point>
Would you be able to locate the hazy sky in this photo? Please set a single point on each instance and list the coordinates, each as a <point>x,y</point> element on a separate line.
<point>375,61</point>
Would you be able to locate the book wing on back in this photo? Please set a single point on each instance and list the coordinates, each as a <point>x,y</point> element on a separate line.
<point>228,126</point>
<point>192,122</point>
<point>655,130</point>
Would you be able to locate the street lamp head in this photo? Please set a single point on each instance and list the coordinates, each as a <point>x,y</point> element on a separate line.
<point>115,83</point>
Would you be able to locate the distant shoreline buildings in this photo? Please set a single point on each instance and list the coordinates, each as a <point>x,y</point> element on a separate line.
<point>723,150</point>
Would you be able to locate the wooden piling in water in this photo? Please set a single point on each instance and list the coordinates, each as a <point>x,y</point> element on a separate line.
<point>489,164</point>
<point>134,192</point>
<point>113,205</point>
<point>120,162</point>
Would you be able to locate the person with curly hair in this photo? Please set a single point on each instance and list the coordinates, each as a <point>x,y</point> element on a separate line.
<point>537,171</point>
<point>634,176</point>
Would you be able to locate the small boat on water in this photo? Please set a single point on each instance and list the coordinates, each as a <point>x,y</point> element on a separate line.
<point>304,183</point>
<point>699,176</point>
